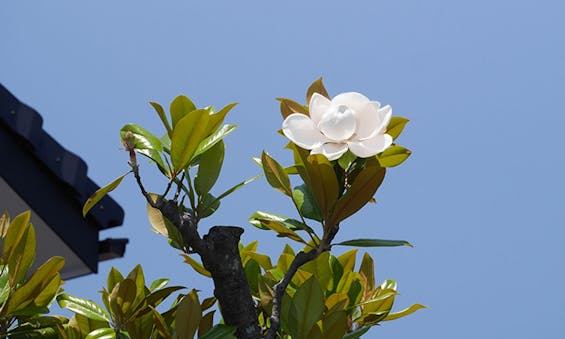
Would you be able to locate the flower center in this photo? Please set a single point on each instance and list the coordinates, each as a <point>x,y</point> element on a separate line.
<point>338,123</point>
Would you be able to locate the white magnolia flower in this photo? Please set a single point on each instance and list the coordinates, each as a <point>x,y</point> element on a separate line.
<point>348,121</point>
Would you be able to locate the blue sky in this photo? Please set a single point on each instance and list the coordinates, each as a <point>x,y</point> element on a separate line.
<point>481,81</point>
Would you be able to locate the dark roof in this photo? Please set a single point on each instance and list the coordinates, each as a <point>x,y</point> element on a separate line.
<point>51,179</point>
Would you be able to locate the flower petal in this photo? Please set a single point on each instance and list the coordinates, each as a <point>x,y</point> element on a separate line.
<point>370,147</point>
<point>300,129</point>
<point>339,123</point>
<point>368,120</point>
<point>385,114</point>
<point>331,150</point>
<point>355,101</point>
<point>318,107</point>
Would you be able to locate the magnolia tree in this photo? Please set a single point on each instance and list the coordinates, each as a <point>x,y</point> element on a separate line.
<point>341,148</point>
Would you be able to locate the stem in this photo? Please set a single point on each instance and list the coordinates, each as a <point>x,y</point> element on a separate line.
<point>300,259</point>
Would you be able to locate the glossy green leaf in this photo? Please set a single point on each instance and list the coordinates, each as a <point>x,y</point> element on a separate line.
<point>188,315</point>
<point>180,107</point>
<point>258,217</point>
<point>100,193</point>
<point>4,284</point>
<point>237,186</point>
<point>209,169</point>
<point>367,269</point>
<point>208,206</point>
<point>85,307</point>
<point>158,284</point>
<point>198,267</point>
<point>281,229</point>
<point>160,324</point>
<point>206,323</point>
<point>374,243</point>
<point>114,277</point>
<point>275,174</point>
<point>207,303</point>
<point>220,331</point>
<point>316,87</point>
<point>143,138</point>
<point>324,183</point>
<point>136,275</point>
<point>156,297</point>
<point>263,260</point>
<point>347,260</point>
<point>308,304</point>
<point>163,116</point>
<point>46,276</point>
<point>19,247</point>
<point>404,312</point>
<point>217,118</point>
<point>102,333</point>
<point>214,138</point>
<point>306,203</point>
<point>334,325</point>
<point>346,160</point>
<point>85,325</point>
<point>393,156</point>
<point>38,327</point>
<point>188,133</point>
<point>289,107</point>
<point>361,191</point>
<point>252,273</point>
<point>395,126</point>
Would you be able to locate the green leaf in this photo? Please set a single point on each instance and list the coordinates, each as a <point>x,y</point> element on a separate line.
<point>404,312</point>
<point>361,191</point>
<point>162,115</point>
<point>252,273</point>
<point>220,331</point>
<point>316,87</point>
<point>323,183</point>
<point>4,284</point>
<point>374,243</point>
<point>209,169</point>
<point>157,297</point>
<point>334,325</point>
<point>122,300</point>
<point>100,193</point>
<point>102,333</point>
<point>39,285</point>
<point>237,186</point>
<point>393,156</point>
<point>306,203</point>
<point>188,133</point>
<point>214,138</point>
<point>395,126</point>
<point>188,315</point>
<point>85,307</point>
<point>158,284</point>
<point>143,138</point>
<point>19,247</point>
<point>208,206</point>
<point>276,175</point>
<point>180,107</point>
<point>217,118</point>
<point>280,228</point>
<point>307,306</point>
<point>198,267</point>
<point>160,324</point>
<point>258,217</point>
<point>367,269</point>
<point>289,107</point>
<point>206,323</point>
<point>346,160</point>
<point>114,277</point>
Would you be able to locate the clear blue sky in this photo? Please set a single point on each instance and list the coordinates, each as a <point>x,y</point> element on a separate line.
<point>482,82</point>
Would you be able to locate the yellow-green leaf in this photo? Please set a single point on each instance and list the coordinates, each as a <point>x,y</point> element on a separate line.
<point>161,112</point>
<point>395,126</point>
<point>404,312</point>
<point>198,267</point>
<point>308,304</point>
<point>289,107</point>
<point>100,193</point>
<point>393,156</point>
<point>188,133</point>
<point>188,315</point>
<point>180,107</point>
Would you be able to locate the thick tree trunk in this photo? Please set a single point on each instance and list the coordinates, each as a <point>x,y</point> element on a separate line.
<point>231,287</point>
